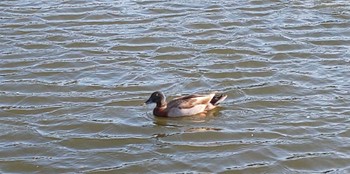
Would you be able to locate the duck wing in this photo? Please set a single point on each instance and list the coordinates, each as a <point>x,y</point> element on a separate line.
<point>189,105</point>
<point>189,101</point>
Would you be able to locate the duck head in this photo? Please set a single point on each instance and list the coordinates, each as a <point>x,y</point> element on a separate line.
<point>158,98</point>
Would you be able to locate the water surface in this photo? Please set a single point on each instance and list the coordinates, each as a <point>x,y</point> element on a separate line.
<point>73,75</point>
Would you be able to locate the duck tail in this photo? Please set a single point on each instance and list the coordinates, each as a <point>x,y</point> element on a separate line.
<point>218,98</point>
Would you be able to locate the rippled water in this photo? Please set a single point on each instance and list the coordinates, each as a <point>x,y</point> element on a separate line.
<point>74,73</point>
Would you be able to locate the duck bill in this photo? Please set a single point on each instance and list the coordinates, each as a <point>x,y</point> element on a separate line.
<point>149,101</point>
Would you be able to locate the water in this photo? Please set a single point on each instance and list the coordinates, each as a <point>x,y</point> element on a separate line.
<point>73,76</point>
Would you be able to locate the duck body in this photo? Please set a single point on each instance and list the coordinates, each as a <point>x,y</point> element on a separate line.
<point>184,106</point>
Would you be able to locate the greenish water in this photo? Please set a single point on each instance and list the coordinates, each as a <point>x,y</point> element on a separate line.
<point>73,76</point>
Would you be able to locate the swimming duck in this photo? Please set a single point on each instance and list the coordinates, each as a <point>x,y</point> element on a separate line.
<point>184,106</point>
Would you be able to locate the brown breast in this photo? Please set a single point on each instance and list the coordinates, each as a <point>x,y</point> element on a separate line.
<point>160,112</point>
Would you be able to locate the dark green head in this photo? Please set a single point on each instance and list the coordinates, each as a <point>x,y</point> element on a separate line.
<point>156,97</point>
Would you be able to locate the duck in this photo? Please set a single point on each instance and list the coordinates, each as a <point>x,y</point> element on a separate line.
<point>186,105</point>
